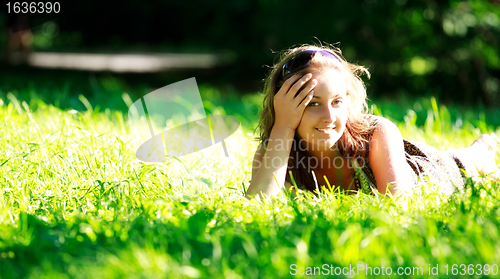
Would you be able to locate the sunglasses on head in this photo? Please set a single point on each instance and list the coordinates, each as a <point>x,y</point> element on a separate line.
<point>302,60</point>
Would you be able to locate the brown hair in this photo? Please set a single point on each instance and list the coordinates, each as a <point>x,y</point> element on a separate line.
<point>354,140</point>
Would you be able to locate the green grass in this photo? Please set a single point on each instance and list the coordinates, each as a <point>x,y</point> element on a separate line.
<point>75,203</point>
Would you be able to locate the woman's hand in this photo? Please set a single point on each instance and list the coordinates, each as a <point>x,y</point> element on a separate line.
<point>288,105</point>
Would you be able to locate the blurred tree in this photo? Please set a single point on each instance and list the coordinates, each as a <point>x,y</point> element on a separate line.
<point>449,49</point>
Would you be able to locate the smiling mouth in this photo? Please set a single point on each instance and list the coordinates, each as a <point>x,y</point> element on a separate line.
<point>326,130</point>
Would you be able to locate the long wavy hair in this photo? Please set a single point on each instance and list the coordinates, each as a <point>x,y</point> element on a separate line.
<point>354,140</point>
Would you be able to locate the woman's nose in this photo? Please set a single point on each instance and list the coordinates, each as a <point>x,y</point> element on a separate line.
<point>328,114</point>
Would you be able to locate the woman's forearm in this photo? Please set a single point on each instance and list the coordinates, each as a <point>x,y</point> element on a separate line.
<point>273,164</point>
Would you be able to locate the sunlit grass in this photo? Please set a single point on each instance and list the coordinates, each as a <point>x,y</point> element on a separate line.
<point>75,203</point>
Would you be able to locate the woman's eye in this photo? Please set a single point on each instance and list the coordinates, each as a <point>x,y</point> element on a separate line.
<point>313,104</point>
<point>337,102</point>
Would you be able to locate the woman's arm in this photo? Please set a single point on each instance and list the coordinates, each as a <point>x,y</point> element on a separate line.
<point>387,159</point>
<point>289,104</point>
<point>270,162</point>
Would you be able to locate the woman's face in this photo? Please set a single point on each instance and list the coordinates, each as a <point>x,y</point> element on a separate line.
<point>324,119</point>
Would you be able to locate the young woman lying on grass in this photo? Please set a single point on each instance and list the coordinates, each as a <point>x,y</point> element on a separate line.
<point>315,126</point>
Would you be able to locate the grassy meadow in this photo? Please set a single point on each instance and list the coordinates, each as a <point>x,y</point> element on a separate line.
<point>76,203</point>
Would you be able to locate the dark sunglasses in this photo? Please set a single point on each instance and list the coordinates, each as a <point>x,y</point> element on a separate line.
<point>302,60</point>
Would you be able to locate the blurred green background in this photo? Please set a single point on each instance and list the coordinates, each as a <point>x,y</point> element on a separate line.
<point>447,49</point>
<point>75,203</point>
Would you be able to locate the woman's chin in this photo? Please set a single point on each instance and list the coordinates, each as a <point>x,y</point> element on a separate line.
<point>319,144</point>
<point>325,144</point>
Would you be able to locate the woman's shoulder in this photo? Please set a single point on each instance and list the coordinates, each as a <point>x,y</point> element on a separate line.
<point>374,120</point>
<point>382,130</point>
<point>377,124</point>
<point>385,132</point>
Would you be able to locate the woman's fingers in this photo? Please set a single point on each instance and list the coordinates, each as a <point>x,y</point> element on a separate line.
<point>304,93</point>
<point>306,101</point>
<point>288,84</point>
<point>291,94</point>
